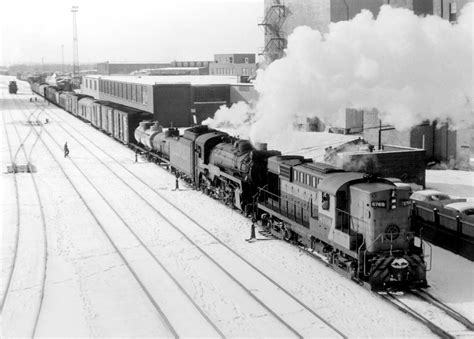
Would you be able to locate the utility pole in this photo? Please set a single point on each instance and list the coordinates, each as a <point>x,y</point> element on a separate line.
<point>75,44</point>
<point>381,129</point>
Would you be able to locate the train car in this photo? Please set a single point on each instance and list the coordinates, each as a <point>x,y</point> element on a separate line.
<point>85,107</point>
<point>96,113</point>
<point>360,223</point>
<point>182,159</point>
<point>35,87</point>
<point>52,94</point>
<point>42,90</point>
<point>125,121</point>
<point>107,120</point>
<point>12,87</point>
<point>152,136</point>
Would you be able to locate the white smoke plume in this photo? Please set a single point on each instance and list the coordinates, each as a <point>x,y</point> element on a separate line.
<point>410,68</point>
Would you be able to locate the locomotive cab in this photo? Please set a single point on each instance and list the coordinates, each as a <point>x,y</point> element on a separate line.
<point>381,213</point>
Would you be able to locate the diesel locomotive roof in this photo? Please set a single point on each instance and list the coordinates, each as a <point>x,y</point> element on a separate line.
<point>335,181</point>
<point>375,187</point>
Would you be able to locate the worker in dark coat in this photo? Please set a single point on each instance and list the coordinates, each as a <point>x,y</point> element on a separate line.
<point>66,150</point>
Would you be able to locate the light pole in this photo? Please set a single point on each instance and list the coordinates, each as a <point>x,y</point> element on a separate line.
<point>75,44</point>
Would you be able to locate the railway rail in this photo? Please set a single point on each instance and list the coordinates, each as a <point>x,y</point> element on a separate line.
<point>400,304</point>
<point>22,140</point>
<point>171,329</point>
<point>232,252</point>
<point>432,312</point>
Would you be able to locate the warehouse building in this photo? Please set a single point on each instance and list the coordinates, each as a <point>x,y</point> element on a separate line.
<point>107,68</point>
<point>178,101</point>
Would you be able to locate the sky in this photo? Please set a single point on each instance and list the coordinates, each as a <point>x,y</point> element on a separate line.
<point>124,31</point>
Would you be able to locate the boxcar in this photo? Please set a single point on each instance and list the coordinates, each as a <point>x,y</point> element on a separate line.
<point>85,106</point>
<point>125,121</point>
<point>52,94</point>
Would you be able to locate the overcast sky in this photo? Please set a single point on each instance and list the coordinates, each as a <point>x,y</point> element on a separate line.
<point>129,31</point>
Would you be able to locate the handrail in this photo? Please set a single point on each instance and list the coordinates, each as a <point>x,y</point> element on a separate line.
<point>444,215</point>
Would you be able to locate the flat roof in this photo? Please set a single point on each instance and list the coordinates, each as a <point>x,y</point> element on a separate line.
<point>169,79</point>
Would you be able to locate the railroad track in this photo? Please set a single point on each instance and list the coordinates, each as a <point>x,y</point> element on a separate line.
<point>230,252</point>
<point>171,328</point>
<point>31,328</point>
<point>433,313</point>
<point>17,224</point>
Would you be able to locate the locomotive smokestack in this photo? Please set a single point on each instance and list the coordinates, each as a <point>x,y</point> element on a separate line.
<point>261,146</point>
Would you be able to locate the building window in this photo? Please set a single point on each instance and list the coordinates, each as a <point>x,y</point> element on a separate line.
<point>452,12</point>
<point>95,85</point>
<point>246,60</point>
<point>325,201</point>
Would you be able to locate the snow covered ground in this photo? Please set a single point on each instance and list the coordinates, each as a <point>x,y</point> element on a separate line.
<point>114,250</point>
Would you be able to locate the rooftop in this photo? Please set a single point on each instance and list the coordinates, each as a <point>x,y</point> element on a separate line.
<point>169,79</point>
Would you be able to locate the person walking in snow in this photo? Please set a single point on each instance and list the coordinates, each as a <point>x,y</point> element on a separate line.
<point>66,150</point>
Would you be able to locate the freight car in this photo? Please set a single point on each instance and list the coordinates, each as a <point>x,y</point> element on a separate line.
<point>156,141</point>
<point>12,87</point>
<point>359,223</point>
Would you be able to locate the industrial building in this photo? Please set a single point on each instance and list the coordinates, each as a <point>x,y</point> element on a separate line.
<point>178,101</point>
<point>241,65</point>
<point>440,142</point>
<point>283,16</point>
<point>107,68</point>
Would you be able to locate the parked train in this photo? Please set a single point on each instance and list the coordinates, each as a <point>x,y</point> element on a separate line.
<point>359,223</point>
<point>12,87</point>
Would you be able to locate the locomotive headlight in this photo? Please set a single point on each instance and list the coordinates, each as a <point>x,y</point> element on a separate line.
<point>393,200</point>
<point>399,263</point>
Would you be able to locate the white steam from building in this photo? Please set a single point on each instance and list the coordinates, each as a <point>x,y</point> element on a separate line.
<point>410,68</point>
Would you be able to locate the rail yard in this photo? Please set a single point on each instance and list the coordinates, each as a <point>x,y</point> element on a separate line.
<point>224,285</point>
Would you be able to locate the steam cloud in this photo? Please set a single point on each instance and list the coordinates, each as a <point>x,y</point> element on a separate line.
<point>410,68</point>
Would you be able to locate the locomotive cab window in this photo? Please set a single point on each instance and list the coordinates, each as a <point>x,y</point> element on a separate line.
<point>325,201</point>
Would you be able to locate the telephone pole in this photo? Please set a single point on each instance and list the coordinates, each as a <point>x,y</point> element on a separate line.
<point>75,44</point>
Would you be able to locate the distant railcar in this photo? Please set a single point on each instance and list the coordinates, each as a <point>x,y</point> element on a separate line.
<point>12,87</point>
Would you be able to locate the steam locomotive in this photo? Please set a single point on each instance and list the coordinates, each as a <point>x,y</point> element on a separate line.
<point>359,223</point>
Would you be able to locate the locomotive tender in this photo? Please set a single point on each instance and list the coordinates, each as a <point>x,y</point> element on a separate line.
<point>359,223</point>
